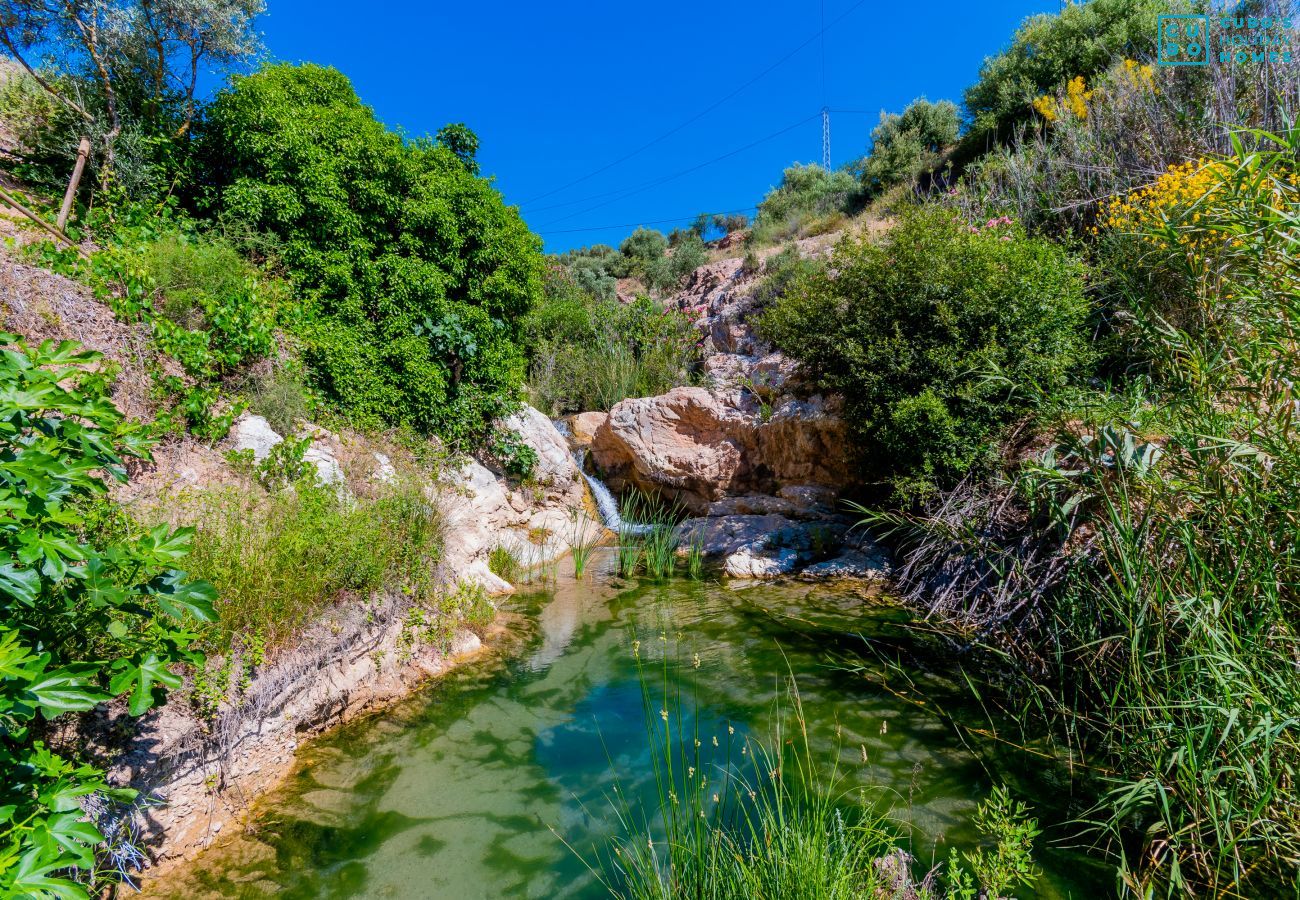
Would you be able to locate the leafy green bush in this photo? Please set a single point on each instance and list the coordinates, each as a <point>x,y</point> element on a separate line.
<point>805,194</point>
<point>413,274</point>
<point>92,609</point>
<point>689,254</point>
<point>641,250</point>
<point>1051,48</point>
<point>594,270</point>
<point>904,146</point>
<point>590,353</point>
<point>933,336</point>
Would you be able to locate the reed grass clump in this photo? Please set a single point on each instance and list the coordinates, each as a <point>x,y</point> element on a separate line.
<point>735,817</point>
<point>648,541</point>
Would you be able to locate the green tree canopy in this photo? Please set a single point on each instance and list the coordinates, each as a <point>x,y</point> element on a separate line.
<point>1050,49</point>
<point>413,272</point>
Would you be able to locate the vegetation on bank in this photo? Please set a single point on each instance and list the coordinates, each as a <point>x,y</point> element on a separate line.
<point>1110,524</point>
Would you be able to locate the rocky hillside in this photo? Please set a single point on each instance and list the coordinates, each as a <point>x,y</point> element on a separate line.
<point>754,454</point>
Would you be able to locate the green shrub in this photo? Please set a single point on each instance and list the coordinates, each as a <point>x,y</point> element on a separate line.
<point>1051,48</point>
<point>934,336</point>
<point>689,254</point>
<point>216,309</point>
<point>590,353</point>
<point>92,608</point>
<point>641,249</point>
<point>413,274</point>
<point>904,146</point>
<point>806,193</point>
<point>278,561</point>
<point>780,272</point>
<point>280,397</point>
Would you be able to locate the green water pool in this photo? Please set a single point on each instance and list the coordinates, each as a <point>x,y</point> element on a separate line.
<point>495,781</point>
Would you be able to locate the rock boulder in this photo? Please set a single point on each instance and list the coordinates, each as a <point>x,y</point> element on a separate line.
<point>700,446</point>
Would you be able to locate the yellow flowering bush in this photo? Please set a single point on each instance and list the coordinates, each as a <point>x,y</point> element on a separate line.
<point>1210,233</point>
<point>1074,102</point>
<point>1077,98</point>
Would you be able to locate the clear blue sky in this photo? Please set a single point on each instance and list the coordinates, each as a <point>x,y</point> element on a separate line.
<point>557,90</point>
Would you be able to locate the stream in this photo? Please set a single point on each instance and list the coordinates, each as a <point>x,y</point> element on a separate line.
<point>474,787</point>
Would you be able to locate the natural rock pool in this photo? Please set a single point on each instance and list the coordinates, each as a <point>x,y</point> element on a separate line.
<point>461,791</point>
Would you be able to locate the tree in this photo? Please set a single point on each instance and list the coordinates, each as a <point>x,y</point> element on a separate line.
<point>1050,49</point>
<point>413,273</point>
<point>118,64</point>
<point>903,146</point>
<point>461,141</point>
<point>641,249</point>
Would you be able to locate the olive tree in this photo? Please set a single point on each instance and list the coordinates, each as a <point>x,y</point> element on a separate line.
<point>114,64</point>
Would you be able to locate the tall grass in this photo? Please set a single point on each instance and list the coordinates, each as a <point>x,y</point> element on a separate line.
<point>1160,626</point>
<point>583,537</point>
<point>278,561</point>
<point>648,541</point>
<point>737,818</point>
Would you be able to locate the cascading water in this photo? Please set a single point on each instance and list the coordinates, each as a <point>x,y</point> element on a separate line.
<point>606,504</point>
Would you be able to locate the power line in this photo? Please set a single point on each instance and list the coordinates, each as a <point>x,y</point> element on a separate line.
<point>667,178</point>
<point>699,115</point>
<point>682,218</point>
<point>654,184</point>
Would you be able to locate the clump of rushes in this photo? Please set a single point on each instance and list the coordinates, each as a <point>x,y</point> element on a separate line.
<point>735,817</point>
<point>695,555</point>
<point>648,541</point>
<point>504,564</point>
<point>582,540</point>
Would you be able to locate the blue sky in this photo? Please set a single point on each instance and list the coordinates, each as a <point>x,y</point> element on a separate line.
<point>561,89</point>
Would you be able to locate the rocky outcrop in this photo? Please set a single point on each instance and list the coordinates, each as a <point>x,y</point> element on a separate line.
<point>699,446</point>
<point>536,523</point>
<point>206,773</point>
<point>771,545</point>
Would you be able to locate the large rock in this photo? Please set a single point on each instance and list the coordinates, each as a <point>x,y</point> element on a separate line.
<point>700,446</point>
<point>761,546</point>
<point>583,426</point>
<point>555,465</point>
<point>253,433</point>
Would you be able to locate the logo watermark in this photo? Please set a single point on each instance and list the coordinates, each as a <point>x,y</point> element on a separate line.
<point>1196,40</point>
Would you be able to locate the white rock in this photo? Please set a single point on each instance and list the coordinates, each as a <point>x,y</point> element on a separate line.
<point>555,465</point>
<point>385,471</point>
<point>328,471</point>
<point>250,432</point>
<point>751,563</point>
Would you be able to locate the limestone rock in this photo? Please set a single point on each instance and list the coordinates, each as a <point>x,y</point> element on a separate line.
<point>385,472</point>
<point>700,446</point>
<point>863,564</point>
<point>749,563</point>
<point>583,426</point>
<point>250,432</point>
<point>555,465</point>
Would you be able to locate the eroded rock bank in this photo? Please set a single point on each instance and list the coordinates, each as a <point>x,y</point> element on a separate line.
<point>203,775</point>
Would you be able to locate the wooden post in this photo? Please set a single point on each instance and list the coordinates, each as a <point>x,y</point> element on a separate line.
<point>82,152</point>
<point>6,197</point>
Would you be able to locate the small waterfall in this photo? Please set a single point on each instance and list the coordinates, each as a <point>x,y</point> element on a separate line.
<point>606,503</point>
